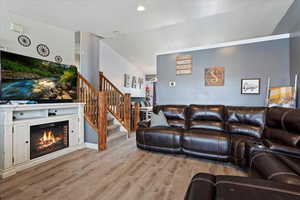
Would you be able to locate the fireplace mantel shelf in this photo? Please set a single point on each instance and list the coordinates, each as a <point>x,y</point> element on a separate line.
<point>15,127</point>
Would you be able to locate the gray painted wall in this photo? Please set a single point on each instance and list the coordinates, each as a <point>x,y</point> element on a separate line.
<point>257,60</point>
<point>90,135</point>
<point>290,23</point>
<point>89,68</point>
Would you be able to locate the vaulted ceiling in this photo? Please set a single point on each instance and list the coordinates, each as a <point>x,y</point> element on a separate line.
<point>166,25</point>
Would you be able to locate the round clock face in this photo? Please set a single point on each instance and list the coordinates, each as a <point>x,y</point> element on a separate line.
<point>58,59</point>
<point>24,40</point>
<point>43,50</point>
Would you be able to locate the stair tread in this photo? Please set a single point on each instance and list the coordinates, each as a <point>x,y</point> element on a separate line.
<point>109,118</point>
<point>113,126</point>
<point>116,134</point>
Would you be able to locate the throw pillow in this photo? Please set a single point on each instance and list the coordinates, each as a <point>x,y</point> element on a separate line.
<point>158,120</point>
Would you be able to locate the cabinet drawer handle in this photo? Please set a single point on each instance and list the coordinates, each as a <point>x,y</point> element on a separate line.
<point>26,142</point>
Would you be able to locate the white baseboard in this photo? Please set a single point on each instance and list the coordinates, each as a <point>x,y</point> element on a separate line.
<point>91,146</point>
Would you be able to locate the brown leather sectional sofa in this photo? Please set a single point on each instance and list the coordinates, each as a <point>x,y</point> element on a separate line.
<point>265,140</point>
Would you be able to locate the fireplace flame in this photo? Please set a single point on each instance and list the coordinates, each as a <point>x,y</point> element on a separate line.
<point>48,139</point>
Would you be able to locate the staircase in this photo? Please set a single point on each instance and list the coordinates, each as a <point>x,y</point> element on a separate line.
<point>107,110</point>
<point>115,134</point>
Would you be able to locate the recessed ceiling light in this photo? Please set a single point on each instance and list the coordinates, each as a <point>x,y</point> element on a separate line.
<point>141,8</point>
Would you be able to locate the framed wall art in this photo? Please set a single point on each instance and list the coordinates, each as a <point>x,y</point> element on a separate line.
<point>214,76</point>
<point>250,86</point>
<point>183,64</point>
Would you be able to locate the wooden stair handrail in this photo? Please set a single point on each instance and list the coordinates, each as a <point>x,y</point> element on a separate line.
<point>95,108</point>
<point>118,103</point>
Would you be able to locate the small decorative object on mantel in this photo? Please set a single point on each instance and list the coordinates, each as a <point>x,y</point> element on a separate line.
<point>183,64</point>
<point>133,85</point>
<point>126,80</point>
<point>141,82</point>
<point>43,50</point>
<point>214,76</point>
<point>250,86</point>
<point>24,40</point>
<point>58,59</point>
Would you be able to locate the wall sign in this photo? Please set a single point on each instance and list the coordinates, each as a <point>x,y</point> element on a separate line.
<point>183,64</point>
<point>133,84</point>
<point>126,80</point>
<point>250,86</point>
<point>141,82</point>
<point>214,76</point>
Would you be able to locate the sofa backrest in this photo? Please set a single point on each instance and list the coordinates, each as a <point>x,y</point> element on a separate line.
<point>283,125</point>
<point>175,114</point>
<point>249,121</point>
<point>209,117</point>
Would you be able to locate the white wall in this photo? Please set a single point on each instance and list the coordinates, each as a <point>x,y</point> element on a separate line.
<point>114,66</point>
<point>89,58</point>
<point>60,41</point>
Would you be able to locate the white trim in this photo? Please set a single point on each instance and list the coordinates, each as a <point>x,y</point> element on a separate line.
<point>91,146</point>
<point>228,44</point>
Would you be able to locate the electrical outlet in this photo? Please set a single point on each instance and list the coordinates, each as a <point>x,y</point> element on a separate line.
<point>172,84</point>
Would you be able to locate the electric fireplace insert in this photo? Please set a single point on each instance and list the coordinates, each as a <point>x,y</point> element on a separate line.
<point>48,138</point>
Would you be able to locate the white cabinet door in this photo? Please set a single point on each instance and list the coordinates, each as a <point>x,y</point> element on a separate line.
<point>73,132</point>
<point>21,142</point>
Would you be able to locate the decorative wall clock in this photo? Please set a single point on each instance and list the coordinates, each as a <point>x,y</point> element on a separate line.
<point>58,59</point>
<point>24,40</point>
<point>43,50</point>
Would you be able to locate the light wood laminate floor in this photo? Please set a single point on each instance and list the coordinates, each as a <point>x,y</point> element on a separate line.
<point>122,172</point>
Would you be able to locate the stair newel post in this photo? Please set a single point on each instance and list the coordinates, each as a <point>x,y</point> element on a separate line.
<point>127,112</point>
<point>102,121</point>
<point>136,116</point>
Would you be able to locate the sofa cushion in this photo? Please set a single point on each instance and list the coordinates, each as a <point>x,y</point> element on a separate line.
<point>277,146</point>
<point>284,118</point>
<point>285,137</point>
<point>272,168</point>
<point>206,117</point>
<point>245,188</point>
<point>206,141</point>
<point>166,139</point>
<point>245,129</point>
<point>248,121</point>
<point>206,186</point>
<point>175,114</point>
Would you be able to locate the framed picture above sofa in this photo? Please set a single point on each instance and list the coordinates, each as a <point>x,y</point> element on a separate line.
<point>250,86</point>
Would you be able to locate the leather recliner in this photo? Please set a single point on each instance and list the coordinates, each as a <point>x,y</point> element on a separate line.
<point>164,139</point>
<point>210,187</point>
<point>231,133</point>
<point>205,136</point>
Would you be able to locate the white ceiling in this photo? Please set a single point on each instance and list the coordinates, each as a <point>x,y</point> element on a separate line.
<point>166,25</point>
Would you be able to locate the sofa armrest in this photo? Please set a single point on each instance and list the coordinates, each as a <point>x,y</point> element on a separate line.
<point>144,124</point>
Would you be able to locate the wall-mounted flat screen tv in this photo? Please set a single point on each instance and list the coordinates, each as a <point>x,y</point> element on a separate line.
<point>27,78</point>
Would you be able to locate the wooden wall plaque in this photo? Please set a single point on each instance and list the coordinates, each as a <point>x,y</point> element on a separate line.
<point>183,64</point>
<point>214,76</point>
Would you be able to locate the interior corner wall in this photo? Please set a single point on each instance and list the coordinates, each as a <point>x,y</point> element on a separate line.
<point>60,41</point>
<point>89,57</point>
<point>290,23</point>
<point>114,66</point>
<point>257,60</point>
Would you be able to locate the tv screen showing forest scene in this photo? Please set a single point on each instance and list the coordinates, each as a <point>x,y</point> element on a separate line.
<point>27,78</point>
